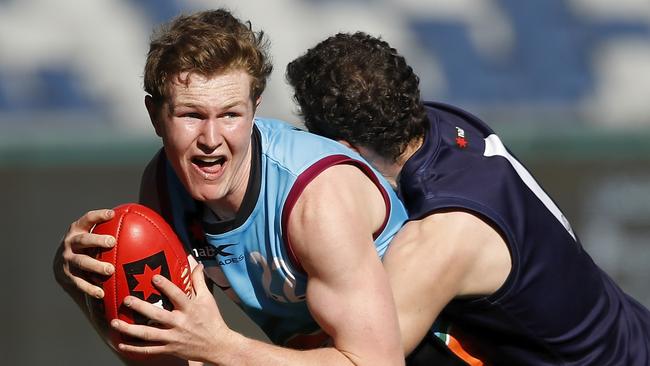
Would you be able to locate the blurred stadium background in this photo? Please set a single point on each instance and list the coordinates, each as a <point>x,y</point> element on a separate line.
<point>566,83</point>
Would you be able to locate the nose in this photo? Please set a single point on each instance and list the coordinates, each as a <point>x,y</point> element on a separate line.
<point>210,136</point>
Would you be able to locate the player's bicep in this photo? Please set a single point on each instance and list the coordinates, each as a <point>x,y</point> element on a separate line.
<point>347,292</point>
<point>354,306</point>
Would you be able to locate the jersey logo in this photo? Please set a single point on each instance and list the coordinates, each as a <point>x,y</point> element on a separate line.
<point>203,251</point>
<point>220,250</point>
<point>460,138</point>
<point>208,252</point>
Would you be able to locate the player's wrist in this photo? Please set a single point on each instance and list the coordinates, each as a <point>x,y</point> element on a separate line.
<point>231,348</point>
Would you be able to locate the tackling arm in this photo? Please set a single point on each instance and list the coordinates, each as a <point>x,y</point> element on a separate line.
<point>442,256</point>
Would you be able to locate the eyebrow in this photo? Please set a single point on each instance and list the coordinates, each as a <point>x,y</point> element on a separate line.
<point>234,103</point>
<point>229,105</point>
<point>173,107</point>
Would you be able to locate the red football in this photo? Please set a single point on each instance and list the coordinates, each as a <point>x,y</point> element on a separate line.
<point>145,245</point>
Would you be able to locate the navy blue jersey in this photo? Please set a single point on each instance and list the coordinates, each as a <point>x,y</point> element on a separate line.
<point>557,307</point>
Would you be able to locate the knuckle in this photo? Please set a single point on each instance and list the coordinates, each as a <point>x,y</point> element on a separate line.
<point>71,241</point>
<point>80,261</point>
<point>67,241</point>
<point>146,335</point>
<point>75,224</point>
<point>83,241</point>
<point>67,256</point>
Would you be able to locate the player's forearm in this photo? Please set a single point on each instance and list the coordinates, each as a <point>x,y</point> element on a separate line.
<point>244,351</point>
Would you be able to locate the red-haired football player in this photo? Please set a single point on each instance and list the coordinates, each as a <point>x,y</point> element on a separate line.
<point>291,225</point>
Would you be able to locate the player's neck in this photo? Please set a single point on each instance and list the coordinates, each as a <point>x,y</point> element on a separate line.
<point>398,164</point>
<point>411,148</point>
<point>390,169</point>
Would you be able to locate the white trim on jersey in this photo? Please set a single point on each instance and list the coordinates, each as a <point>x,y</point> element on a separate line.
<point>494,147</point>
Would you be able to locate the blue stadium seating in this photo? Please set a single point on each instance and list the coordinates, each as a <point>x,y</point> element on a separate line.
<point>550,62</point>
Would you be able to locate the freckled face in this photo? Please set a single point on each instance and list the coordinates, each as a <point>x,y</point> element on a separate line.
<point>206,128</point>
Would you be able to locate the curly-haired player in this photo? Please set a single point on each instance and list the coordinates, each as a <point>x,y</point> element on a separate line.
<point>487,248</point>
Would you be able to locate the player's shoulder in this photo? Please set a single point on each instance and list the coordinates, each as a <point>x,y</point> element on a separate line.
<point>467,242</point>
<point>275,131</point>
<point>297,150</point>
<point>462,233</point>
<point>264,123</point>
<point>270,128</point>
<point>444,110</point>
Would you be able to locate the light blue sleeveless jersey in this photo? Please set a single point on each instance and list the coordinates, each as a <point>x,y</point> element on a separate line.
<point>252,262</point>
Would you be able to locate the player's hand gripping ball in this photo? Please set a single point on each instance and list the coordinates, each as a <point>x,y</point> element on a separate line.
<point>145,246</point>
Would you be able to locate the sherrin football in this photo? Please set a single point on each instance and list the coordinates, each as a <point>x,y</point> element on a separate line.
<point>145,245</point>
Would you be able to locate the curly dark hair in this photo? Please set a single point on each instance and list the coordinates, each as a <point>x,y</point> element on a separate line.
<point>357,88</point>
<point>205,43</point>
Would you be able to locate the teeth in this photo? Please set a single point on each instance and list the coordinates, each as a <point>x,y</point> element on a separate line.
<point>209,160</point>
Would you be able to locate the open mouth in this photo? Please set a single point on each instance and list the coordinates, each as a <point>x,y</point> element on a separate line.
<point>209,167</point>
<point>207,162</point>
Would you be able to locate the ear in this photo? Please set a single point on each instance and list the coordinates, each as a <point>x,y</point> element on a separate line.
<point>257,103</point>
<point>349,145</point>
<point>153,114</point>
